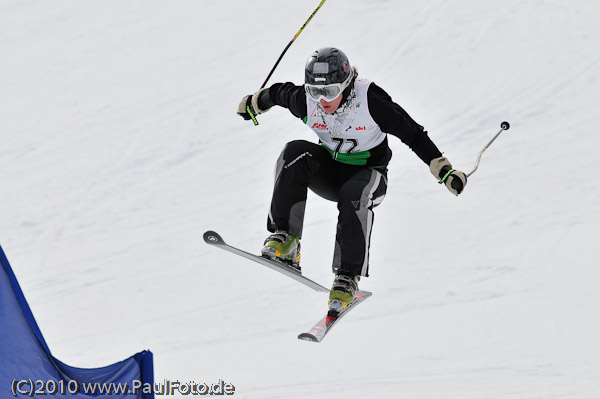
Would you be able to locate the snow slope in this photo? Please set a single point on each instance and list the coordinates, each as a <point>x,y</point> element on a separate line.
<point>120,147</point>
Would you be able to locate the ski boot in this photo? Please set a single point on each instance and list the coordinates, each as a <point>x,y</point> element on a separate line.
<point>342,293</point>
<point>283,247</point>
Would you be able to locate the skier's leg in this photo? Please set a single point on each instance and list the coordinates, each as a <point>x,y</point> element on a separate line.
<point>357,198</point>
<point>297,167</point>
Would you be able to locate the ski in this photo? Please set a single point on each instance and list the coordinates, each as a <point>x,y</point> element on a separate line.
<point>216,240</point>
<point>318,332</point>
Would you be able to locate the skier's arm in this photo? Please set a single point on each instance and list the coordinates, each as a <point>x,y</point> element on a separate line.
<point>286,95</point>
<point>394,120</point>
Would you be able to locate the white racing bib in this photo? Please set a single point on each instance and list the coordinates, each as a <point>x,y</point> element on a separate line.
<point>350,132</point>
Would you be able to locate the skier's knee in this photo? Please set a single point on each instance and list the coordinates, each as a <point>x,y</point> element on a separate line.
<point>350,196</point>
<point>295,148</point>
<point>295,151</point>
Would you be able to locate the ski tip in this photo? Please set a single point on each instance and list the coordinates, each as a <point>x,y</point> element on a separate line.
<point>212,237</point>
<point>308,337</point>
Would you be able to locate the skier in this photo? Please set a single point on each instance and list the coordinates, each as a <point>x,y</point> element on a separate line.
<point>352,117</point>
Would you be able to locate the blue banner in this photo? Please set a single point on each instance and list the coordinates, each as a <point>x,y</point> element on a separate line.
<point>28,369</point>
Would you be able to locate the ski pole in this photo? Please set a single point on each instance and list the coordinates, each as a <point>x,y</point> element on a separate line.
<point>282,54</point>
<point>503,126</point>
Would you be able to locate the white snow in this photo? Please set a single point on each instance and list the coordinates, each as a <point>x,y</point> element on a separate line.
<point>120,146</point>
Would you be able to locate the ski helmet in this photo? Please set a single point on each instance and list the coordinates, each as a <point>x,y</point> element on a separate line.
<point>327,66</point>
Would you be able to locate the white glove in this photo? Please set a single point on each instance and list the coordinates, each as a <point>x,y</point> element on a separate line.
<point>249,108</point>
<point>455,180</point>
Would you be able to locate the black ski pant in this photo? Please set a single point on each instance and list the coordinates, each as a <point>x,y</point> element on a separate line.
<point>356,189</point>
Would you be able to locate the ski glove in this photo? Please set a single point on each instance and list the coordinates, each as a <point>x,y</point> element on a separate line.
<point>249,108</point>
<point>455,180</point>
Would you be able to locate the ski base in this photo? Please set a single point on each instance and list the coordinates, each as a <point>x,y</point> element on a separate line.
<point>319,330</point>
<point>213,238</point>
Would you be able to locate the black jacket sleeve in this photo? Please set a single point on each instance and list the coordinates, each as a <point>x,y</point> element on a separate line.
<point>394,120</point>
<point>286,95</point>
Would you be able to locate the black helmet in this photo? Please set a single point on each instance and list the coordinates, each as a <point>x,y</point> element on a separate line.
<point>327,66</point>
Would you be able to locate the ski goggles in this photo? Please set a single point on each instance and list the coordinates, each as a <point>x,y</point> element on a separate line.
<point>327,92</point>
